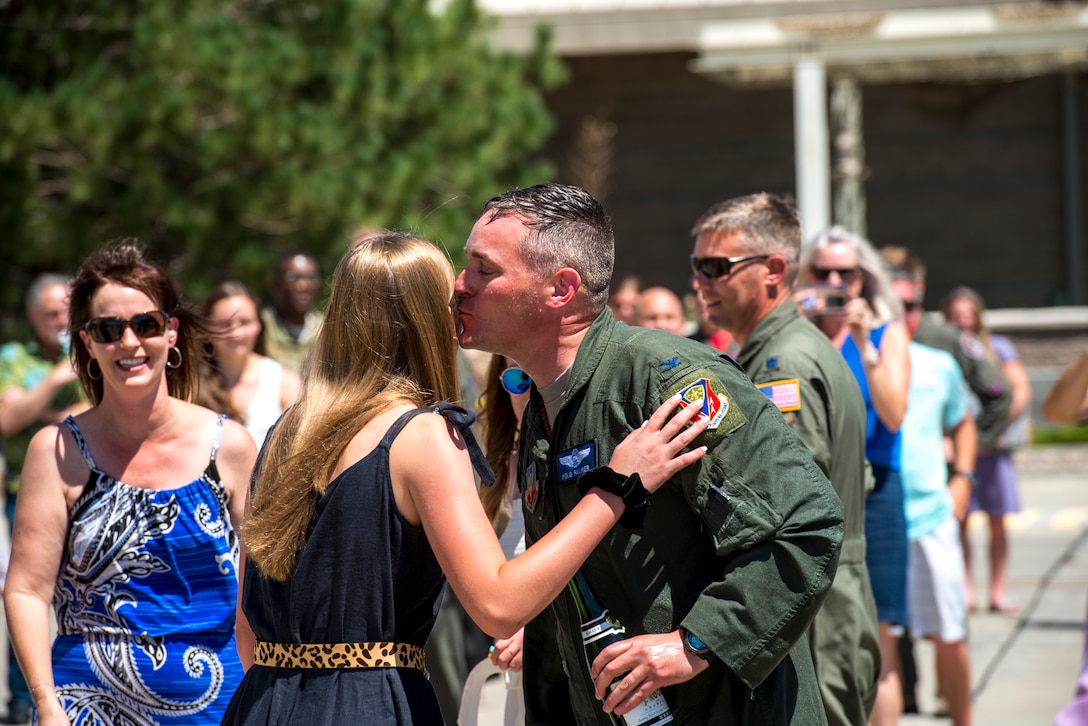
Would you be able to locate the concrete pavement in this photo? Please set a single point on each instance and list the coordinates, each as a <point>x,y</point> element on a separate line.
<point>1024,668</point>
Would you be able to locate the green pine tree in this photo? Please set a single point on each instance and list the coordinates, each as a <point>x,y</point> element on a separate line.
<point>223,133</point>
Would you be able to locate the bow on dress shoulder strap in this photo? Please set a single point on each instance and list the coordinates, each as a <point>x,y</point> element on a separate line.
<point>462,420</point>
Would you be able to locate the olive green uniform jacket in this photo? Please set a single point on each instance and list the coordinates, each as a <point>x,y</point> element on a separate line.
<point>796,366</point>
<point>739,548</point>
<point>281,346</point>
<point>983,376</point>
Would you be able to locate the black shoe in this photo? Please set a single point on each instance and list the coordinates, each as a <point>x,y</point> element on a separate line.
<point>18,713</point>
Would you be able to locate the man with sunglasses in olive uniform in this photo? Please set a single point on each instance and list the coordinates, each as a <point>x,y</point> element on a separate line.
<point>37,387</point>
<point>744,265</point>
<point>736,553</point>
<point>983,376</point>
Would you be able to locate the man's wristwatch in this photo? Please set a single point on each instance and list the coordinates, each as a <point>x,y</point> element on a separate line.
<point>695,646</point>
<point>969,476</point>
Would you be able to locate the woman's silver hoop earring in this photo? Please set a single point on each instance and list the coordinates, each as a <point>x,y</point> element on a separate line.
<point>90,371</point>
<point>173,365</point>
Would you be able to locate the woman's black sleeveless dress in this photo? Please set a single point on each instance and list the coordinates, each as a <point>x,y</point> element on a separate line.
<point>365,575</point>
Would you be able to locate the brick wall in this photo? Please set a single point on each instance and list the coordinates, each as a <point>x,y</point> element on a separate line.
<point>968,176</point>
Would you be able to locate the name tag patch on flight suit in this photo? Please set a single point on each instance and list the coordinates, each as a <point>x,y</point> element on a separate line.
<point>713,407</point>
<point>576,460</point>
<point>533,487</point>
<point>786,395</point>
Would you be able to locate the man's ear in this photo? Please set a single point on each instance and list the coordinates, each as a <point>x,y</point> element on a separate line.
<point>776,270</point>
<point>566,283</point>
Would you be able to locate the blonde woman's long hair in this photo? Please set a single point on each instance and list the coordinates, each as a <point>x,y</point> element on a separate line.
<point>387,337</point>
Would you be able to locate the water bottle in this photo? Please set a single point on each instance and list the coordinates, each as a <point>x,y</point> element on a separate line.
<point>601,629</point>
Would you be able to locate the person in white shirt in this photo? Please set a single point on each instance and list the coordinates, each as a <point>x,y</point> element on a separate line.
<point>240,380</point>
<point>936,505</point>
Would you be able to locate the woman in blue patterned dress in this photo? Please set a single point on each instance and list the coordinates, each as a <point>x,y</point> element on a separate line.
<point>124,518</point>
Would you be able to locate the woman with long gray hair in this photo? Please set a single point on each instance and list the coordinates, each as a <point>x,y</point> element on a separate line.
<point>869,332</point>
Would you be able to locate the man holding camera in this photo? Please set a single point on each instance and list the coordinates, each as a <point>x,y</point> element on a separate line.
<point>744,265</point>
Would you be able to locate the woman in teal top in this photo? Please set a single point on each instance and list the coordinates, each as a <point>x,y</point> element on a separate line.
<point>873,340</point>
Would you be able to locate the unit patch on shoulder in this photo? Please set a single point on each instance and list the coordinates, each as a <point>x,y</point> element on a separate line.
<point>714,407</point>
<point>670,363</point>
<point>786,395</point>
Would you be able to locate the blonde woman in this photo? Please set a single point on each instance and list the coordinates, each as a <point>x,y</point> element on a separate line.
<point>364,502</point>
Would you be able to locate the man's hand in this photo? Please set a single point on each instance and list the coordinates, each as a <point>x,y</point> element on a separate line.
<point>959,487</point>
<point>643,664</point>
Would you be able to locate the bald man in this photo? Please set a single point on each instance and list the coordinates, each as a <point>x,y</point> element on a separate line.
<point>659,307</point>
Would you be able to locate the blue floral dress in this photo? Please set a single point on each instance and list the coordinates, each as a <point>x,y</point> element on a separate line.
<point>145,602</point>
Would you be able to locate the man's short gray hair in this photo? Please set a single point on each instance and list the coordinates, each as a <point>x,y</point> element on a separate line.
<point>40,284</point>
<point>769,224</point>
<point>568,228</point>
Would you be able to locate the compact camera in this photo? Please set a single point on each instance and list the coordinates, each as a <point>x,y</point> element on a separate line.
<point>820,299</point>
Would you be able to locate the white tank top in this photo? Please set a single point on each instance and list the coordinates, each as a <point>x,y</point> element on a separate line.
<point>265,409</point>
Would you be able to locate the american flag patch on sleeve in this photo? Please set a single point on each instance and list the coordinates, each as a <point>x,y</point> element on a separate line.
<point>786,395</point>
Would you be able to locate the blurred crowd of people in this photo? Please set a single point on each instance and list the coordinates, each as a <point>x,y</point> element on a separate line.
<point>248,512</point>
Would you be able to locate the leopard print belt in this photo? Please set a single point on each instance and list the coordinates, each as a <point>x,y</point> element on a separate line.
<point>339,655</point>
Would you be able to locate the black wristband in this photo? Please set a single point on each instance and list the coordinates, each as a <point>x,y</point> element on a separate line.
<point>628,488</point>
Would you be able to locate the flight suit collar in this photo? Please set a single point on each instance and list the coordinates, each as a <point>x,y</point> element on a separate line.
<point>765,331</point>
<point>591,351</point>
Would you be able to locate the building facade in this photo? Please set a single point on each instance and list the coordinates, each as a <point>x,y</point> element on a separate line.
<point>956,130</point>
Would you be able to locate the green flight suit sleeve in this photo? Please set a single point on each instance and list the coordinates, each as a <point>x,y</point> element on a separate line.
<point>777,526</point>
<point>812,421</point>
<point>993,391</point>
<point>983,376</point>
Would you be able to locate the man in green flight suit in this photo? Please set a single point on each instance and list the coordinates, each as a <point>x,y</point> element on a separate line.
<point>744,266</point>
<point>737,552</point>
<point>983,376</point>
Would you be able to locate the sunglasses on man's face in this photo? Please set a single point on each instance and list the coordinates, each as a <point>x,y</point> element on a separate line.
<point>847,275</point>
<point>144,325</point>
<point>515,381</point>
<point>712,267</point>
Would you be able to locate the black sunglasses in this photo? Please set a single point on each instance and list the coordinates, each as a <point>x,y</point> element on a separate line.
<point>110,330</point>
<point>846,275</point>
<point>909,306</point>
<point>712,267</point>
